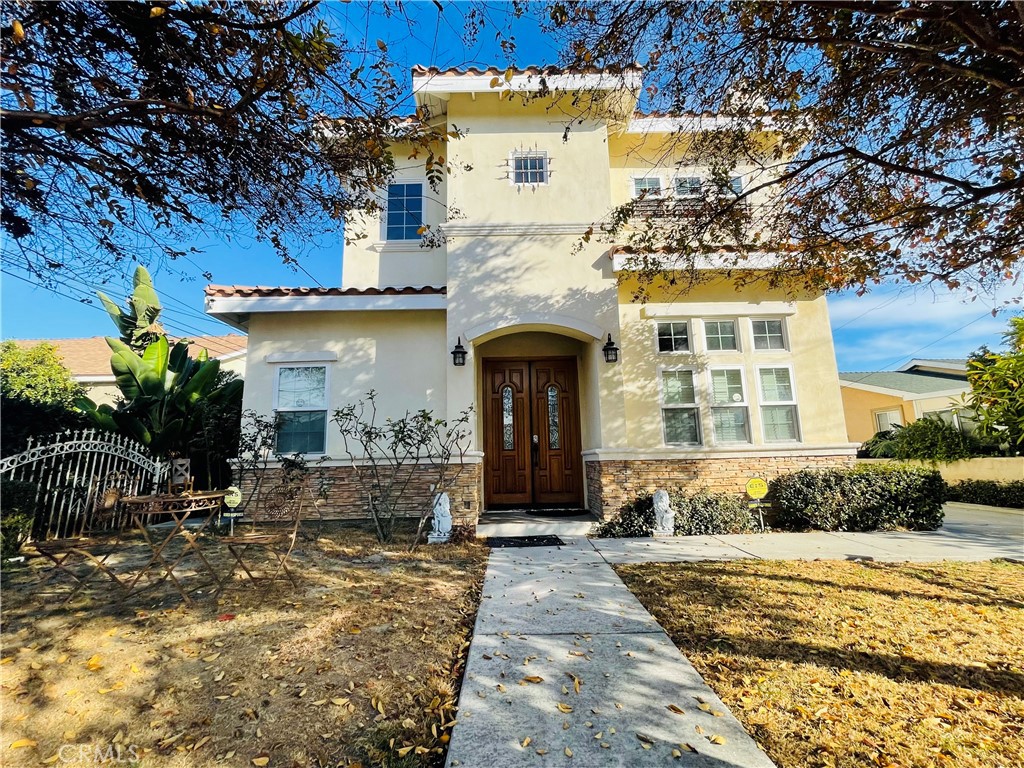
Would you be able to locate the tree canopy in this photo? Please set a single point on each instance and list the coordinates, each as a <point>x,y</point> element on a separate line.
<point>996,399</point>
<point>896,132</point>
<point>128,125</point>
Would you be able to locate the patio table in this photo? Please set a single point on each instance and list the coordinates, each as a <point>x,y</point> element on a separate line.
<point>179,508</point>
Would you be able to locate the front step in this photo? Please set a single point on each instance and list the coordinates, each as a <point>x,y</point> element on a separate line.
<point>520,523</point>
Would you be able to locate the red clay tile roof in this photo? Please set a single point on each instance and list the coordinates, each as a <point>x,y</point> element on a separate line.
<point>263,291</point>
<point>91,356</point>
<point>420,70</point>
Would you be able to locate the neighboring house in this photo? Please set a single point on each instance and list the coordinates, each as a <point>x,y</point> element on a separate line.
<point>88,359</point>
<point>879,400</point>
<point>707,389</point>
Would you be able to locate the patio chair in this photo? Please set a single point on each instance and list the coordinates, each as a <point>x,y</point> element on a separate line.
<point>88,548</point>
<point>282,504</point>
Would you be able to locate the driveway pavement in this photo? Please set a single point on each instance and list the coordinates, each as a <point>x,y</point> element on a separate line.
<point>567,668</point>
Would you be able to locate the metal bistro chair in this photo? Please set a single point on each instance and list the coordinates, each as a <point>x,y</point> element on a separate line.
<point>282,504</point>
<point>87,548</point>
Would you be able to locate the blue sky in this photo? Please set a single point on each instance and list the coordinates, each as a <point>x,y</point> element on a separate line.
<point>877,331</point>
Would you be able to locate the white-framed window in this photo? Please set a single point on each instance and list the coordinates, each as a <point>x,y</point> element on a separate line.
<point>886,420</point>
<point>648,186</point>
<point>300,403</point>
<point>529,167</point>
<point>688,186</point>
<point>720,336</point>
<point>673,336</point>
<point>736,185</point>
<point>680,413</point>
<point>403,216</point>
<point>779,418</point>
<point>769,333</point>
<point>729,414</point>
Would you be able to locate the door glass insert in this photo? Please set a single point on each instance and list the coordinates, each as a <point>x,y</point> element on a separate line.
<point>553,438</point>
<point>508,440</point>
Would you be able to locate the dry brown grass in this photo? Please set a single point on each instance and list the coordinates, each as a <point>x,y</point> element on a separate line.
<point>856,664</point>
<point>296,678</point>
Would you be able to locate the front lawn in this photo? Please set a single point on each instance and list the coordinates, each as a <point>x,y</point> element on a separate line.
<point>855,664</point>
<point>369,649</point>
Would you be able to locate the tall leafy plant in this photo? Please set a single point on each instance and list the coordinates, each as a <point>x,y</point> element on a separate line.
<point>166,391</point>
<point>996,399</point>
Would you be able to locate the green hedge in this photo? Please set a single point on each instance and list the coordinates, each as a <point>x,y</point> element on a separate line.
<point>874,497</point>
<point>988,492</point>
<point>696,514</point>
<point>18,501</point>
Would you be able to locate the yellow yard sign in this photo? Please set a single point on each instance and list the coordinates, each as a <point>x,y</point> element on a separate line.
<point>757,488</point>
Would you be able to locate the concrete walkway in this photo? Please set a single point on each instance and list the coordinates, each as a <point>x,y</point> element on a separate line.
<point>552,618</point>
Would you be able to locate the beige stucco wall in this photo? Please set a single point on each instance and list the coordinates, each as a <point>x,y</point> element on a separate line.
<point>1000,469</point>
<point>401,355</point>
<point>810,355</point>
<point>103,393</point>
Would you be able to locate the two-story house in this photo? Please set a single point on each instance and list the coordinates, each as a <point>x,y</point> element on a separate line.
<point>704,389</point>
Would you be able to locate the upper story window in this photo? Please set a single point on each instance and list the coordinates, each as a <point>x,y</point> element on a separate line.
<point>673,336</point>
<point>301,407</point>
<point>404,211</point>
<point>736,185</point>
<point>720,335</point>
<point>530,167</point>
<point>768,334</point>
<point>647,186</point>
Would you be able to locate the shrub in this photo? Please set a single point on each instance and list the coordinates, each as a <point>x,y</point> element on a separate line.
<point>880,446</point>
<point>19,507</point>
<point>988,492</point>
<point>865,498</point>
<point>634,520</point>
<point>708,514</point>
<point>933,440</point>
<point>701,513</point>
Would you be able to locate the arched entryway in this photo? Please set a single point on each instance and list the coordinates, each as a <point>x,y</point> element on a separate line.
<point>530,421</point>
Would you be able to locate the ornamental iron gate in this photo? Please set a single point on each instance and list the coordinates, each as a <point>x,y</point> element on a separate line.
<point>86,471</point>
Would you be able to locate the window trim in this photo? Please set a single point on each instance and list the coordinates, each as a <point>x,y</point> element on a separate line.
<point>422,181</point>
<point>633,195</point>
<point>689,335</point>
<point>735,332</point>
<point>327,397</point>
<point>876,412</point>
<point>675,186</point>
<point>753,336</point>
<point>696,405</point>
<point>745,404</point>
<point>762,401</point>
<point>513,153</point>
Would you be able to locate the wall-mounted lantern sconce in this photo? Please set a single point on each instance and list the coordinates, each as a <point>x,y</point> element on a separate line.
<point>611,352</point>
<point>459,353</point>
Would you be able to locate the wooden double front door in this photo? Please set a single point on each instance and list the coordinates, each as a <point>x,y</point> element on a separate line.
<point>532,433</point>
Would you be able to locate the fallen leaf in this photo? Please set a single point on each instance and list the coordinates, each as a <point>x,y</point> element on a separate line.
<point>261,761</point>
<point>568,752</point>
<point>226,617</point>
<point>674,708</point>
<point>716,739</point>
<point>212,657</point>
<point>533,679</point>
<point>22,743</point>
<point>564,707</point>
<point>94,663</point>
<point>525,742</point>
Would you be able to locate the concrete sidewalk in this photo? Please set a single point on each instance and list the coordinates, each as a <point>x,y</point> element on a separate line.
<point>566,667</point>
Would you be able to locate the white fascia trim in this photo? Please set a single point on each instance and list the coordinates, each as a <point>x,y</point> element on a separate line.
<point>220,305</point>
<point>302,357</point>
<point>625,262</point>
<point>732,452</point>
<point>231,355</point>
<point>512,322</point>
<point>444,85</point>
<point>695,124</point>
<point>457,229</point>
<point>910,396</point>
<point>762,309</point>
<point>952,367</point>
<point>97,379</point>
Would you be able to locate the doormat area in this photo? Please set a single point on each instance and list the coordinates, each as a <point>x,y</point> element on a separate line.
<point>523,541</point>
<point>557,512</point>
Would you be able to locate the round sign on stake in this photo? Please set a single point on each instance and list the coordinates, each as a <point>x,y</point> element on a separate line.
<point>233,497</point>
<point>757,488</point>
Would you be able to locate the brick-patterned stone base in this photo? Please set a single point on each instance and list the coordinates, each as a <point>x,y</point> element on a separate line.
<point>344,498</point>
<point>611,484</point>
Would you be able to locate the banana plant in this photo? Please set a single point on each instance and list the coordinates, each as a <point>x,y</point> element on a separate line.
<point>163,389</point>
<point>139,323</point>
